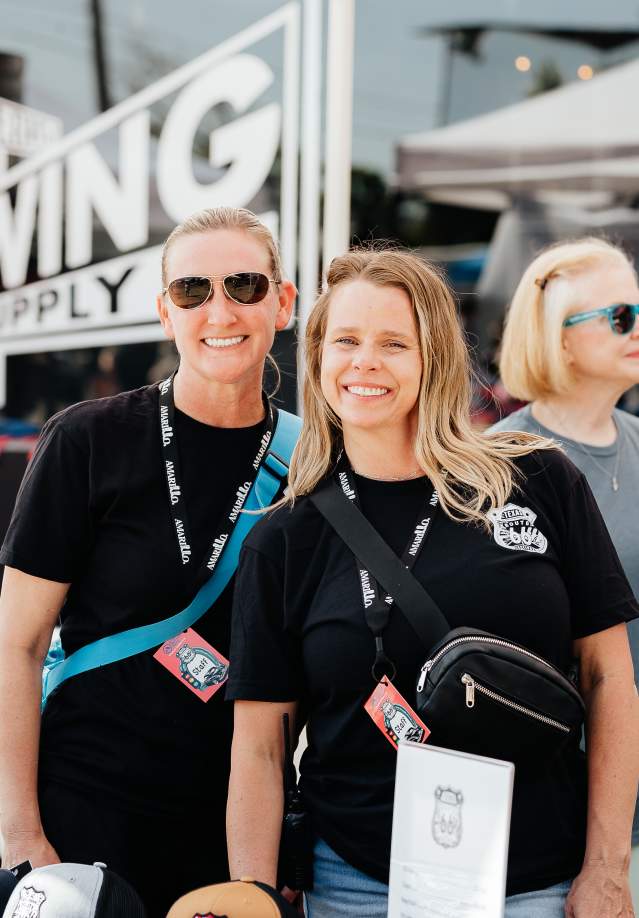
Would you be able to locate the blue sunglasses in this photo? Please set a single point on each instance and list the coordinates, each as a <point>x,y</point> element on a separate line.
<point>621,317</point>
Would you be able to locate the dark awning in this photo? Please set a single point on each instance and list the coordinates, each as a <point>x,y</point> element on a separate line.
<point>465,36</point>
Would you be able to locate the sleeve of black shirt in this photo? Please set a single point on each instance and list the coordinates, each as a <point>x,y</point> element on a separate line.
<point>600,595</point>
<point>51,528</point>
<point>265,657</point>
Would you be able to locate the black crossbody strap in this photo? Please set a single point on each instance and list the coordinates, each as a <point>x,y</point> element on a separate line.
<point>420,609</point>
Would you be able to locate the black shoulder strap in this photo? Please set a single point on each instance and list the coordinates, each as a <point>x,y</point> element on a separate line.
<point>371,550</point>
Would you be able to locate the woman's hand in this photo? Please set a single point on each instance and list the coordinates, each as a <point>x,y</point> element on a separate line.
<point>600,892</point>
<point>35,849</point>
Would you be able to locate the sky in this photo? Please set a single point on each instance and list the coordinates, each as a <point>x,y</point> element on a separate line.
<point>400,72</point>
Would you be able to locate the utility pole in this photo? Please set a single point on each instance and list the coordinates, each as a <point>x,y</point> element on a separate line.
<point>104,96</point>
<point>11,72</point>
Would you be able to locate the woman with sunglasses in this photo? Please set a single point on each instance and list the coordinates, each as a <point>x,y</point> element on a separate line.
<point>517,548</point>
<point>126,507</point>
<point>571,349</point>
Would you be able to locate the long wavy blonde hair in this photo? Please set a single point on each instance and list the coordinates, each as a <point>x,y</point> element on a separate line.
<point>479,470</point>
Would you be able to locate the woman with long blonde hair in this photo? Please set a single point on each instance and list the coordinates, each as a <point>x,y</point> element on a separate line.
<point>517,548</point>
<point>571,350</point>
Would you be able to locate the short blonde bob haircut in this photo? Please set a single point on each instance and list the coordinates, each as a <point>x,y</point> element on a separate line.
<point>532,363</point>
<point>479,470</point>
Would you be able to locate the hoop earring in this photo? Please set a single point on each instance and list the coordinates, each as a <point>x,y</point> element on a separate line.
<point>272,363</point>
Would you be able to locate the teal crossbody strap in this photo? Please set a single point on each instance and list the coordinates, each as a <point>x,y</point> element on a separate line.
<point>272,472</point>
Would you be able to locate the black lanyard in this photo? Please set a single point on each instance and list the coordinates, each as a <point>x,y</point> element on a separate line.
<point>176,500</point>
<point>377,609</point>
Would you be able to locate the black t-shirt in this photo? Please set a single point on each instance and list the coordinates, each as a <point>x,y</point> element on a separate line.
<point>93,510</point>
<point>299,633</point>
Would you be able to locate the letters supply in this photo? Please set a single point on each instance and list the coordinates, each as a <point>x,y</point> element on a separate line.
<point>177,503</point>
<point>272,472</point>
<point>376,608</point>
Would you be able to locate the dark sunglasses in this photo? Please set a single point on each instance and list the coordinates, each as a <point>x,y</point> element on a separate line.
<point>621,317</point>
<point>246,288</point>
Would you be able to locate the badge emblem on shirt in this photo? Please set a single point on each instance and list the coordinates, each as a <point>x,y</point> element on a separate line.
<point>447,818</point>
<point>513,528</point>
<point>30,903</point>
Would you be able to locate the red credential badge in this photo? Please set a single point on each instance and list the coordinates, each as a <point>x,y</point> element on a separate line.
<point>394,716</point>
<point>192,660</point>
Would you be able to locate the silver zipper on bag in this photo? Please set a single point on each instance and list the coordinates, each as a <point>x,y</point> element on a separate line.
<point>428,665</point>
<point>472,686</point>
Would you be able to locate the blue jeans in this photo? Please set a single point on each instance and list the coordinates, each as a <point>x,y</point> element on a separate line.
<point>541,903</point>
<point>340,891</point>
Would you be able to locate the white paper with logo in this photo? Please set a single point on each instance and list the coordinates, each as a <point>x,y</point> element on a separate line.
<point>451,823</point>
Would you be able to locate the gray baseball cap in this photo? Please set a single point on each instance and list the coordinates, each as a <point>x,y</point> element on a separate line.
<point>74,891</point>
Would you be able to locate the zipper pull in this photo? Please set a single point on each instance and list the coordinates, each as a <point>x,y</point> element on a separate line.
<point>469,682</point>
<point>426,668</point>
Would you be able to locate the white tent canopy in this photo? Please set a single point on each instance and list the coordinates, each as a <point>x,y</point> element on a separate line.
<point>581,138</point>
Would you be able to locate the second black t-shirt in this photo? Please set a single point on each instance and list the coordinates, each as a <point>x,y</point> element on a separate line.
<point>299,633</point>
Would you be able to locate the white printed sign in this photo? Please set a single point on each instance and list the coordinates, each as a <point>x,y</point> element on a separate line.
<point>451,823</point>
<point>55,205</point>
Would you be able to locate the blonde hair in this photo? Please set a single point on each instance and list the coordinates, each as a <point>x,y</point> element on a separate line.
<point>225,218</point>
<point>532,363</point>
<point>479,470</point>
<point>230,218</point>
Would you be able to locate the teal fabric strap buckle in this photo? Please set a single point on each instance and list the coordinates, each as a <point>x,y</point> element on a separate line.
<point>275,464</point>
<point>137,640</point>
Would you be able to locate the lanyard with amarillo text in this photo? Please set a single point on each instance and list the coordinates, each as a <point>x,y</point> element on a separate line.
<point>188,656</point>
<point>386,706</point>
<point>176,499</point>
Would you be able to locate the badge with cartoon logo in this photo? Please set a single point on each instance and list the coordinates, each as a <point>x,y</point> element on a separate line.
<point>394,716</point>
<point>30,903</point>
<point>400,724</point>
<point>200,668</point>
<point>447,817</point>
<point>195,663</point>
<point>513,528</point>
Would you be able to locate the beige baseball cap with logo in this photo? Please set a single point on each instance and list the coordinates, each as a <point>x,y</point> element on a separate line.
<point>244,898</point>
